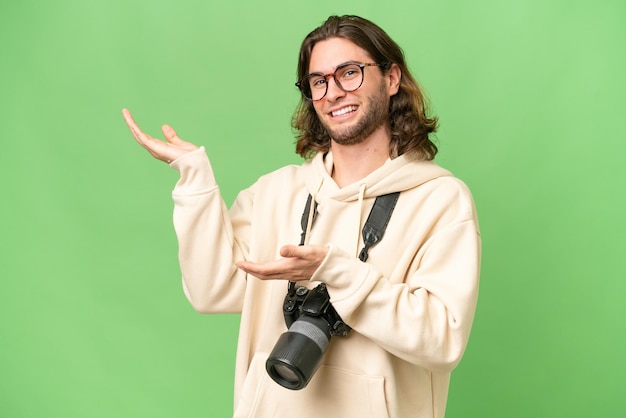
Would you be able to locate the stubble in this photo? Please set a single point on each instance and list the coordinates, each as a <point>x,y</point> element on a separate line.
<point>376,116</point>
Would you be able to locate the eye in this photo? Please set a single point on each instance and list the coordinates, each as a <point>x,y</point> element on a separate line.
<point>317,82</point>
<point>349,72</point>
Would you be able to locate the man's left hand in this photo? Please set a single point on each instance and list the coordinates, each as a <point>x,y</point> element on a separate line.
<point>297,263</point>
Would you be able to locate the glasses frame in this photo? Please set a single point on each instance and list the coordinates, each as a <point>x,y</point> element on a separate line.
<point>361,65</point>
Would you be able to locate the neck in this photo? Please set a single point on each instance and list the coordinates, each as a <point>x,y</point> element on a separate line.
<point>356,161</point>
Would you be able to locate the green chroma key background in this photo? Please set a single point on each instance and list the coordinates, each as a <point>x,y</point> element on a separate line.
<point>93,321</point>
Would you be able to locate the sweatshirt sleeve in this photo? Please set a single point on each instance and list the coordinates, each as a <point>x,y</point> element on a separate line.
<point>209,238</point>
<point>427,319</point>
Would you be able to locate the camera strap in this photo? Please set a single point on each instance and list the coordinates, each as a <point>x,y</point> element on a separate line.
<point>373,230</point>
<point>377,221</point>
<point>304,222</point>
<point>374,227</point>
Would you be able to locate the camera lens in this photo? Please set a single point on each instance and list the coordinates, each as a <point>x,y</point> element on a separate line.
<point>298,352</point>
<point>286,374</point>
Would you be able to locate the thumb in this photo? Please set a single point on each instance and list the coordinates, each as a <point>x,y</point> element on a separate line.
<point>290,251</point>
<point>170,133</point>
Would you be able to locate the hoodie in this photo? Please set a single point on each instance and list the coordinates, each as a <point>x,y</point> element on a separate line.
<point>410,306</point>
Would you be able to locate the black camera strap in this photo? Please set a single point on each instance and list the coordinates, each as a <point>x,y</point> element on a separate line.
<point>304,222</point>
<point>377,221</point>
<point>374,227</point>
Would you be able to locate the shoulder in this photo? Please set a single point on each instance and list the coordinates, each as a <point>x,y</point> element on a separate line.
<point>280,175</point>
<point>280,181</point>
<point>445,196</point>
<point>451,186</point>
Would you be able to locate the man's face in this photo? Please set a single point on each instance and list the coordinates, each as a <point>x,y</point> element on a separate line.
<point>351,117</point>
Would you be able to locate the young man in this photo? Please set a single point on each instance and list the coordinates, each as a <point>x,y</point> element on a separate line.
<point>364,130</point>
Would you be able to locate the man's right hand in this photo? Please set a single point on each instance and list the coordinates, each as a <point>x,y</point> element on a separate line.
<point>161,150</point>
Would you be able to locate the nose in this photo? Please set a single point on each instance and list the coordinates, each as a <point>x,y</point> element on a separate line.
<point>333,91</point>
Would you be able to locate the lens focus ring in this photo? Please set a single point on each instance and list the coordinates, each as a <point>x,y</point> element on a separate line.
<point>314,328</point>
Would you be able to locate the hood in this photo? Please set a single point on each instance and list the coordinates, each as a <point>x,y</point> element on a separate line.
<point>402,173</point>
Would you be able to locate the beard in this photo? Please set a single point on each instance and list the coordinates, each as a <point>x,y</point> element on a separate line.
<point>376,116</point>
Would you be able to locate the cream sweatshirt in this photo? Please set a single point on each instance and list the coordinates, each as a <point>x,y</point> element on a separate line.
<point>410,306</point>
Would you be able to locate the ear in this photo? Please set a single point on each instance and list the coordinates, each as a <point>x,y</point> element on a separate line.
<point>393,78</point>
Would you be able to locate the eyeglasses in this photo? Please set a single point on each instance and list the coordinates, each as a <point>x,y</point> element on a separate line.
<point>348,77</point>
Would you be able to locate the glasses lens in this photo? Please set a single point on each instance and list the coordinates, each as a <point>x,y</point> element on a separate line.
<point>349,77</point>
<point>315,86</point>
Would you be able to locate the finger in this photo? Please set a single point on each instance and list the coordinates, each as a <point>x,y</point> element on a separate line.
<point>128,117</point>
<point>252,270</point>
<point>170,134</point>
<point>154,146</point>
<point>139,135</point>
<point>306,252</point>
<point>292,251</point>
<point>163,151</point>
<point>259,269</point>
<point>279,269</point>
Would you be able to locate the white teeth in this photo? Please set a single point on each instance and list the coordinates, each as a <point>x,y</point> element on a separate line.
<point>344,110</point>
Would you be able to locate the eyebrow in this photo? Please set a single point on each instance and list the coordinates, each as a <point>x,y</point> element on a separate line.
<point>340,65</point>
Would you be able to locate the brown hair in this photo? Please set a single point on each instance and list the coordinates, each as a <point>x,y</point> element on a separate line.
<point>410,125</point>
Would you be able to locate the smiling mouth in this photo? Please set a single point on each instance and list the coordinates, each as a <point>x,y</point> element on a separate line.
<point>344,111</point>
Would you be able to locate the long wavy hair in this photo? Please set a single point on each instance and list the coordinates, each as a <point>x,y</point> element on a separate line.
<point>410,124</point>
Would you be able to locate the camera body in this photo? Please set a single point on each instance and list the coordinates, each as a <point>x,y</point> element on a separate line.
<point>314,302</point>
<point>311,320</point>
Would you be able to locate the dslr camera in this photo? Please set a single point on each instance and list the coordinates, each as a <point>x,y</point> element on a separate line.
<point>311,321</point>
